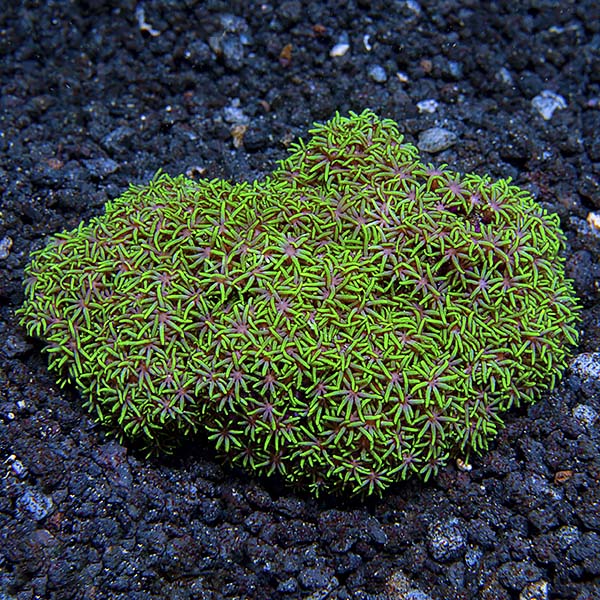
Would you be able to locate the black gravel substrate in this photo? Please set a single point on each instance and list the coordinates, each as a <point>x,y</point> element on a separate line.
<point>94,97</point>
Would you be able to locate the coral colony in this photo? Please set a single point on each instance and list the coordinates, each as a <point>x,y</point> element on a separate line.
<point>355,319</point>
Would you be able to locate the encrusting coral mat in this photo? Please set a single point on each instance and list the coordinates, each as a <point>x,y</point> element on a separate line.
<point>356,318</point>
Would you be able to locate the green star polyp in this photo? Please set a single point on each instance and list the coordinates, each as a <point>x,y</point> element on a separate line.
<point>355,319</point>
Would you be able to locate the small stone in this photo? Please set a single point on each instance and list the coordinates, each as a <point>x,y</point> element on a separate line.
<point>400,587</point>
<point>546,102</point>
<point>5,246</point>
<point>376,532</point>
<point>587,550</point>
<point>237,133</point>
<point>413,6</point>
<point>290,12</point>
<point>143,24</point>
<point>377,73</point>
<point>585,415</point>
<point>117,139</point>
<point>233,52</point>
<point>233,24</point>
<point>19,469</point>
<point>317,578</point>
<point>446,541</point>
<point>194,171</point>
<point>256,137</point>
<point>398,583</point>
<point>436,139</point>
<point>586,366</point>
<point>594,220</point>
<point>230,42</point>
<point>463,466</point>
<point>473,557</point>
<point>16,345</point>
<point>339,50</point>
<point>584,227</point>
<point>505,76</point>
<point>593,103</point>
<point>214,43</point>
<point>288,586</point>
<point>38,505</point>
<point>563,476</point>
<point>234,114</point>
<point>455,69</point>
<point>101,167</point>
<point>198,53</point>
<point>567,536</point>
<point>536,590</point>
<point>427,106</point>
<point>516,575</point>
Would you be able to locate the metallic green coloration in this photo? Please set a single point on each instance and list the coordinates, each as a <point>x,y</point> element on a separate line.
<point>353,320</point>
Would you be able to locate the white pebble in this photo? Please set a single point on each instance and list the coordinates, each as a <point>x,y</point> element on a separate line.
<point>547,102</point>
<point>339,50</point>
<point>377,73</point>
<point>427,106</point>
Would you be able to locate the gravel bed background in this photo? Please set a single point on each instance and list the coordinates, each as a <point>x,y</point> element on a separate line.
<point>94,97</point>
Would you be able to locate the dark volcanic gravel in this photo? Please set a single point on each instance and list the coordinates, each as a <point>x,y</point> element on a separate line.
<point>94,97</point>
